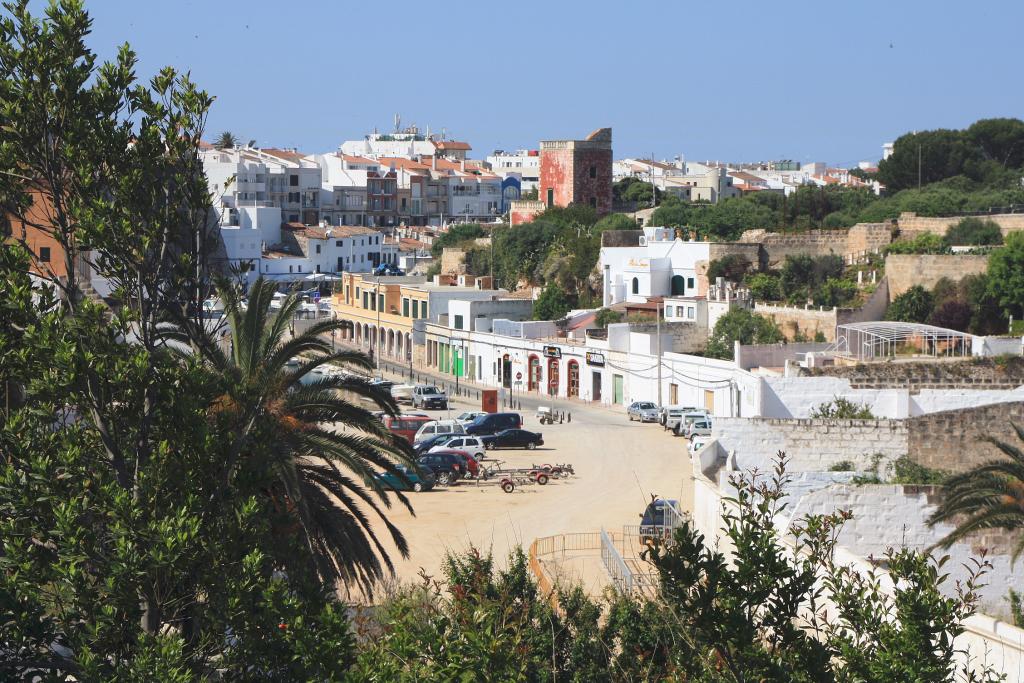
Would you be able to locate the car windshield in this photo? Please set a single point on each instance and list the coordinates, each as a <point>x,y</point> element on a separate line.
<point>645,406</point>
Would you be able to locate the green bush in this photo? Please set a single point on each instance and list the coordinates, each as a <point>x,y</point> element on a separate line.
<point>840,408</point>
<point>764,287</point>
<point>606,317</point>
<point>835,292</point>
<point>973,231</point>
<point>741,325</point>
<point>732,267</point>
<point>913,306</point>
<point>926,243</point>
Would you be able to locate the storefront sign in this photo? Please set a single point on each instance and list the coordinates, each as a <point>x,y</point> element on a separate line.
<point>552,352</point>
<point>594,358</point>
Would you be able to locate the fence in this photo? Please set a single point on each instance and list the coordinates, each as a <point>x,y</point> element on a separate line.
<point>550,545</point>
<point>620,574</point>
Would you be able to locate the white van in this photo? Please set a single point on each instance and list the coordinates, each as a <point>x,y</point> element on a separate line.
<point>683,425</point>
<point>438,427</point>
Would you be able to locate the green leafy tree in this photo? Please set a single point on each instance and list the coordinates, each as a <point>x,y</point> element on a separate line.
<point>925,243</point>
<point>913,306</point>
<point>835,292</point>
<point>615,221</point>
<point>764,287</point>
<point>1006,275</point>
<point>989,496</point>
<point>456,236</point>
<point>987,316</point>
<point>743,326</point>
<point>974,231</point>
<point>606,317</point>
<point>733,267</point>
<point>552,304</point>
<point>226,140</point>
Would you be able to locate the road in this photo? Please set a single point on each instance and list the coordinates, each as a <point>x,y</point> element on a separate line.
<point>619,464</point>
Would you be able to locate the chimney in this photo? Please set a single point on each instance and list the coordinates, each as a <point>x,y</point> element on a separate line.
<point>433,161</point>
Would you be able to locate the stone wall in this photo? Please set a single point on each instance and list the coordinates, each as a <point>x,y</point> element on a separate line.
<point>621,238</point>
<point>453,261</point>
<point>861,238</point>
<point>524,210</point>
<point>808,321</point>
<point>751,250</point>
<point>911,225</point>
<point>810,445</point>
<point>906,270</point>
<point>955,440</point>
<point>864,237</point>
<point>967,374</point>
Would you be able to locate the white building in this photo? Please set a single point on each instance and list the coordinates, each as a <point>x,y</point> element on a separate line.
<point>524,162</point>
<point>662,265</point>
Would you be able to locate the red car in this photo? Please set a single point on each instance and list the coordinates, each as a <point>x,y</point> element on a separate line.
<point>472,467</point>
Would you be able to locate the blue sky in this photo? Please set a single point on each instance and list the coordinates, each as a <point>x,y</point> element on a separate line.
<point>737,80</point>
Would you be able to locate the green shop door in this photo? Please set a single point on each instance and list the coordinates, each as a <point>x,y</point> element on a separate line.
<point>456,362</point>
<point>617,389</point>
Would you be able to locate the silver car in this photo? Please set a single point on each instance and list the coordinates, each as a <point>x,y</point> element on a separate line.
<point>645,411</point>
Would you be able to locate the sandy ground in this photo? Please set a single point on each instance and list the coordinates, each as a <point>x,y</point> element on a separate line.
<point>618,463</point>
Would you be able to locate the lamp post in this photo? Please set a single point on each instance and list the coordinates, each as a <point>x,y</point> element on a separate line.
<point>376,293</point>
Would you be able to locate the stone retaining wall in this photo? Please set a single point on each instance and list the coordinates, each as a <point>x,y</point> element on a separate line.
<point>911,225</point>
<point>965,374</point>
<point>906,270</point>
<point>955,440</point>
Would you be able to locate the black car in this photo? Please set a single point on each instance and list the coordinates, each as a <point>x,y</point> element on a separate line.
<point>447,467</point>
<point>422,447</point>
<point>514,438</point>
<point>494,423</point>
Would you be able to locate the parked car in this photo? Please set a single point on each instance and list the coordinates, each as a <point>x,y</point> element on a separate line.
<point>423,447</point>
<point>382,384</point>
<point>438,427</point>
<point>492,423</point>
<point>466,418</point>
<point>514,438</point>
<point>416,480</point>
<point>473,445</point>
<point>645,411</point>
<point>405,425</point>
<point>657,519</point>
<point>448,468</point>
<point>470,466</point>
<point>699,428</point>
<point>671,415</point>
<point>697,443</point>
<point>684,423</point>
<point>428,396</point>
<point>402,393</point>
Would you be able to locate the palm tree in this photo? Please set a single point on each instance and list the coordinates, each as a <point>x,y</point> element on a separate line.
<point>227,140</point>
<point>990,496</point>
<point>282,408</point>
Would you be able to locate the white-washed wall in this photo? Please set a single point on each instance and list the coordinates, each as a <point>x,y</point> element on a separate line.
<point>811,445</point>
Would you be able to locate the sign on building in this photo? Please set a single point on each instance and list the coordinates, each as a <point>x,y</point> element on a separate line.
<point>552,352</point>
<point>594,358</point>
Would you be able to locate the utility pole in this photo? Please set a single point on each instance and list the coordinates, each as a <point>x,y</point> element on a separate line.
<point>660,303</point>
<point>919,165</point>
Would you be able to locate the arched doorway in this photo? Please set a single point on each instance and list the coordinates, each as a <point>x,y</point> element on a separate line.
<point>391,342</point>
<point>533,377</point>
<point>574,379</point>
<point>408,346</point>
<point>636,285</point>
<point>552,376</point>
<point>678,285</point>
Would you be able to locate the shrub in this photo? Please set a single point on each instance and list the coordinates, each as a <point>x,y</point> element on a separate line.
<point>741,325</point>
<point>835,292</point>
<point>840,408</point>
<point>973,231</point>
<point>913,306</point>
<point>732,267</point>
<point>606,317</point>
<point>764,287</point>
<point>926,243</point>
<point>952,314</point>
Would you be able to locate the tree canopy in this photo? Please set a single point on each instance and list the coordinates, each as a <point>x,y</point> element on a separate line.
<point>743,326</point>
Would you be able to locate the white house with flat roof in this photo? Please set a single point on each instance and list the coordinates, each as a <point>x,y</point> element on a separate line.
<point>662,265</point>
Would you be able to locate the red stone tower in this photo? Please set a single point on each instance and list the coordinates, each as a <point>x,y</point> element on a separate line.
<point>577,171</point>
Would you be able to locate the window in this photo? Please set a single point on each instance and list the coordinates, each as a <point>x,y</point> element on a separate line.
<point>636,285</point>
<point>689,282</point>
<point>300,269</point>
<point>293,180</point>
<point>318,248</point>
<point>290,268</point>
<point>551,197</point>
<point>423,309</point>
<point>293,217</point>
<point>366,299</point>
<point>357,292</point>
<point>593,171</point>
<point>689,312</point>
<point>593,202</point>
<point>458,322</point>
<point>415,308</point>
<point>338,243</point>
<point>318,268</point>
<point>44,254</point>
<point>405,308</point>
<point>380,302</point>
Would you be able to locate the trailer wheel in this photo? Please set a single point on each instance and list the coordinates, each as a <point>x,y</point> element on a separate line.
<point>542,478</point>
<point>507,486</point>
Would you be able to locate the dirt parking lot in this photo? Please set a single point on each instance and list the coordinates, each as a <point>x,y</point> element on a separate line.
<point>618,465</point>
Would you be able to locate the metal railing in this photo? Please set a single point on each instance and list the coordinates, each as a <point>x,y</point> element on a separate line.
<point>616,567</point>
